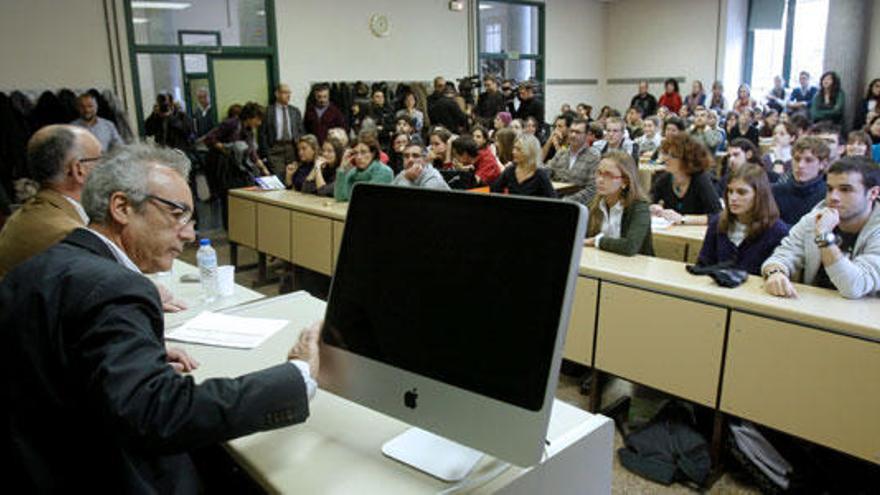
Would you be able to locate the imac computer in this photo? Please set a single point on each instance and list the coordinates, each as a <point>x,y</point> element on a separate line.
<point>448,310</point>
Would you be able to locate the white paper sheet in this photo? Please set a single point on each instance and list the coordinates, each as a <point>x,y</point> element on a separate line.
<point>660,223</point>
<point>223,330</point>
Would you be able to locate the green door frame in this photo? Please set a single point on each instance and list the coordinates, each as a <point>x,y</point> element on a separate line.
<point>270,51</point>
<point>539,58</point>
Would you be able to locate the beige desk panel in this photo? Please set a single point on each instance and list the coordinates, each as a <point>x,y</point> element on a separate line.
<point>312,242</point>
<point>661,341</point>
<point>273,231</point>
<point>822,308</point>
<point>810,383</point>
<point>243,222</point>
<point>670,249</point>
<point>338,229</point>
<point>693,250</point>
<point>292,200</point>
<point>582,326</point>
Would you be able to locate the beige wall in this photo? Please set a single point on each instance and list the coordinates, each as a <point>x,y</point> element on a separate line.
<point>649,39</point>
<point>50,44</point>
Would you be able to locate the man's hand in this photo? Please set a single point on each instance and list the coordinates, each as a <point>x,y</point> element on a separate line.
<point>590,241</point>
<point>826,220</point>
<point>169,303</point>
<point>779,285</point>
<point>180,360</point>
<point>413,172</point>
<point>306,349</point>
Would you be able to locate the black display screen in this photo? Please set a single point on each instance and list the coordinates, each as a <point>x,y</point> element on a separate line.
<point>462,288</point>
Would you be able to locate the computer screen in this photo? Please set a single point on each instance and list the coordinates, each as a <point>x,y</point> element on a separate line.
<point>467,289</point>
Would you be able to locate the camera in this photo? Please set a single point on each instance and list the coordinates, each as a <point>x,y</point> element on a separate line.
<point>468,86</point>
<point>164,102</point>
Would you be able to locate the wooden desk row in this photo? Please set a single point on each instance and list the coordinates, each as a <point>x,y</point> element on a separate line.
<point>808,366</point>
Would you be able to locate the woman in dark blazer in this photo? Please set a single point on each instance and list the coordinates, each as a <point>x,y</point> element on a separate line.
<point>620,217</point>
<point>748,229</point>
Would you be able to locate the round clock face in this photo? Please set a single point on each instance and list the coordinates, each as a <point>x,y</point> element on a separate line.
<point>380,25</point>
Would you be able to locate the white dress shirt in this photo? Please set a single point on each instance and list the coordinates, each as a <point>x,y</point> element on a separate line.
<point>611,220</point>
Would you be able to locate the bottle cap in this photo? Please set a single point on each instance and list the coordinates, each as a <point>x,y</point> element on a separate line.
<point>204,242</point>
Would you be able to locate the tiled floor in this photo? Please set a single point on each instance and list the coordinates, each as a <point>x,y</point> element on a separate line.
<point>624,482</point>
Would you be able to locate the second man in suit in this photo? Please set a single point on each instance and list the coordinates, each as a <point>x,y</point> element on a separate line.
<point>281,130</point>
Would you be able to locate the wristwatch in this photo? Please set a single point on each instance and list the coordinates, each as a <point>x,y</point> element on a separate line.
<point>827,239</point>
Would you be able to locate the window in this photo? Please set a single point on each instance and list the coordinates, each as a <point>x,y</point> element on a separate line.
<point>785,37</point>
<point>511,41</point>
<point>239,22</point>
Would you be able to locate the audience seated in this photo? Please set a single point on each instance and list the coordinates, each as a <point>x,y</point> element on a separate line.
<point>619,219</point>
<point>322,178</point>
<point>60,158</point>
<point>650,139</point>
<point>697,98</point>
<point>558,139</point>
<point>828,103</point>
<point>577,163</point>
<point>776,95</point>
<point>584,111</point>
<point>869,106</point>
<point>411,113</point>
<point>801,96</point>
<point>830,133</point>
<point>745,127</point>
<point>416,172</point>
<point>446,112</point>
<point>685,194</point>
<point>858,143</point>
<point>530,105</point>
<point>670,98</point>
<point>778,157</point>
<point>836,245</point>
<point>744,100</point>
<point>323,114</point>
<point>644,101</point>
<point>504,146</point>
<point>703,132</point>
<point>525,176</point>
<point>873,130</point>
<point>799,192</point>
<point>295,173</point>
<point>717,102</point>
<point>739,153</point>
<point>363,166</point>
<point>438,149</point>
<point>615,139</point>
<point>483,163</point>
<point>771,118</point>
<point>747,231</point>
<point>395,151</point>
<point>634,123</point>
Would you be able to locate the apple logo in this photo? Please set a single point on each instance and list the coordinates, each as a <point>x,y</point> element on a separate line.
<point>410,397</point>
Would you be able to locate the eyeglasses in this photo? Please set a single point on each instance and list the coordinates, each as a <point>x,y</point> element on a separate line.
<point>412,155</point>
<point>607,175</point>
<point>182,213</point>
<point>361,152</point>
<point>90,159</point>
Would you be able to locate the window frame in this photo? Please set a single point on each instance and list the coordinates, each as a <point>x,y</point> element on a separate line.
<point>539,58</point>
<point>791,8</point>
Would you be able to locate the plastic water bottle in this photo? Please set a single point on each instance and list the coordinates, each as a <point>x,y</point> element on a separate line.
<point>206,258</point>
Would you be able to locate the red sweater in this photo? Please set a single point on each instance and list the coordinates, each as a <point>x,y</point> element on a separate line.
<point>486,167</point>
<point>671,101</point>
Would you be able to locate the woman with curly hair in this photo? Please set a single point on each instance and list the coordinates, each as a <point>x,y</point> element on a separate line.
<point>685,194</point>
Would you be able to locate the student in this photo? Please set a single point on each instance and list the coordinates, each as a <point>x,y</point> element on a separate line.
<point>778,157</point>
<point>837,245</point>
<point>744,100</point>
<point>745,127</point>
<point>771,118</point>
<point>644,101</point>
<point>504,146</point>
<point>685,195</point>
<point>295,173</point>
<point>634,123</point>
<point>805,185</point>
<point>670,99</point>
<point>395,154</point>
<point>363,167</point>
<point>438,154</point>
<point>869,106</point>
<point>703,132</point>
<point>717,101</point>
<point>740,153</point>
<point>697,98</point>
<point>484,165</point>
<point>828,102</point>
<point>830,133</point>
<point>323,176</point>
<point>615,139</point>
<point>649,141</point>
<point>525,177</point>
<point>748,229</point>
<point>858,143</point>
<point>620,218</point>
<point>873,130</point>
<point>417,173</point>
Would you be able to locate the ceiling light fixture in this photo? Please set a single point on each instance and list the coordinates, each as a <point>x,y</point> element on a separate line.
<point>161,5</point>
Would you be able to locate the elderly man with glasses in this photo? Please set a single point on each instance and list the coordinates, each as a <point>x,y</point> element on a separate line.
<point>417,173</point>
<point>97,402</point>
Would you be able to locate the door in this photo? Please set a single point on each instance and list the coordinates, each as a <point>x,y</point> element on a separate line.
<point>239,79</point>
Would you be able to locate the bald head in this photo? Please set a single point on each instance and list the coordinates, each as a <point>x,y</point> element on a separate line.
<point>57,154</point>
<point>282,94</point>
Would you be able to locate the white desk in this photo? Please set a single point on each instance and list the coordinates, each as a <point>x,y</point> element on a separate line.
<point>191,294</point>
<point>338,450</point>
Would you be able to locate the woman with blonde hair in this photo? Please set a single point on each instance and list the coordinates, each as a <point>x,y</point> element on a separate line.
<point>620,216</point>
<point>524,176</point>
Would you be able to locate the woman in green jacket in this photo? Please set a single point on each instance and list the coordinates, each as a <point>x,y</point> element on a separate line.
<point>828,102</point>
<point>362,166</point>
<point>620,217</point>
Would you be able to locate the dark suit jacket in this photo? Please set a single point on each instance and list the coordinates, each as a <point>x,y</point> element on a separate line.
<point>320,125</point>
<point>447,113</point>
<point>92,404</point>
<point>269,129</point>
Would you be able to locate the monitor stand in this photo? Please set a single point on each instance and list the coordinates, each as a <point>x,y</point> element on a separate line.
<point>432,454</point>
